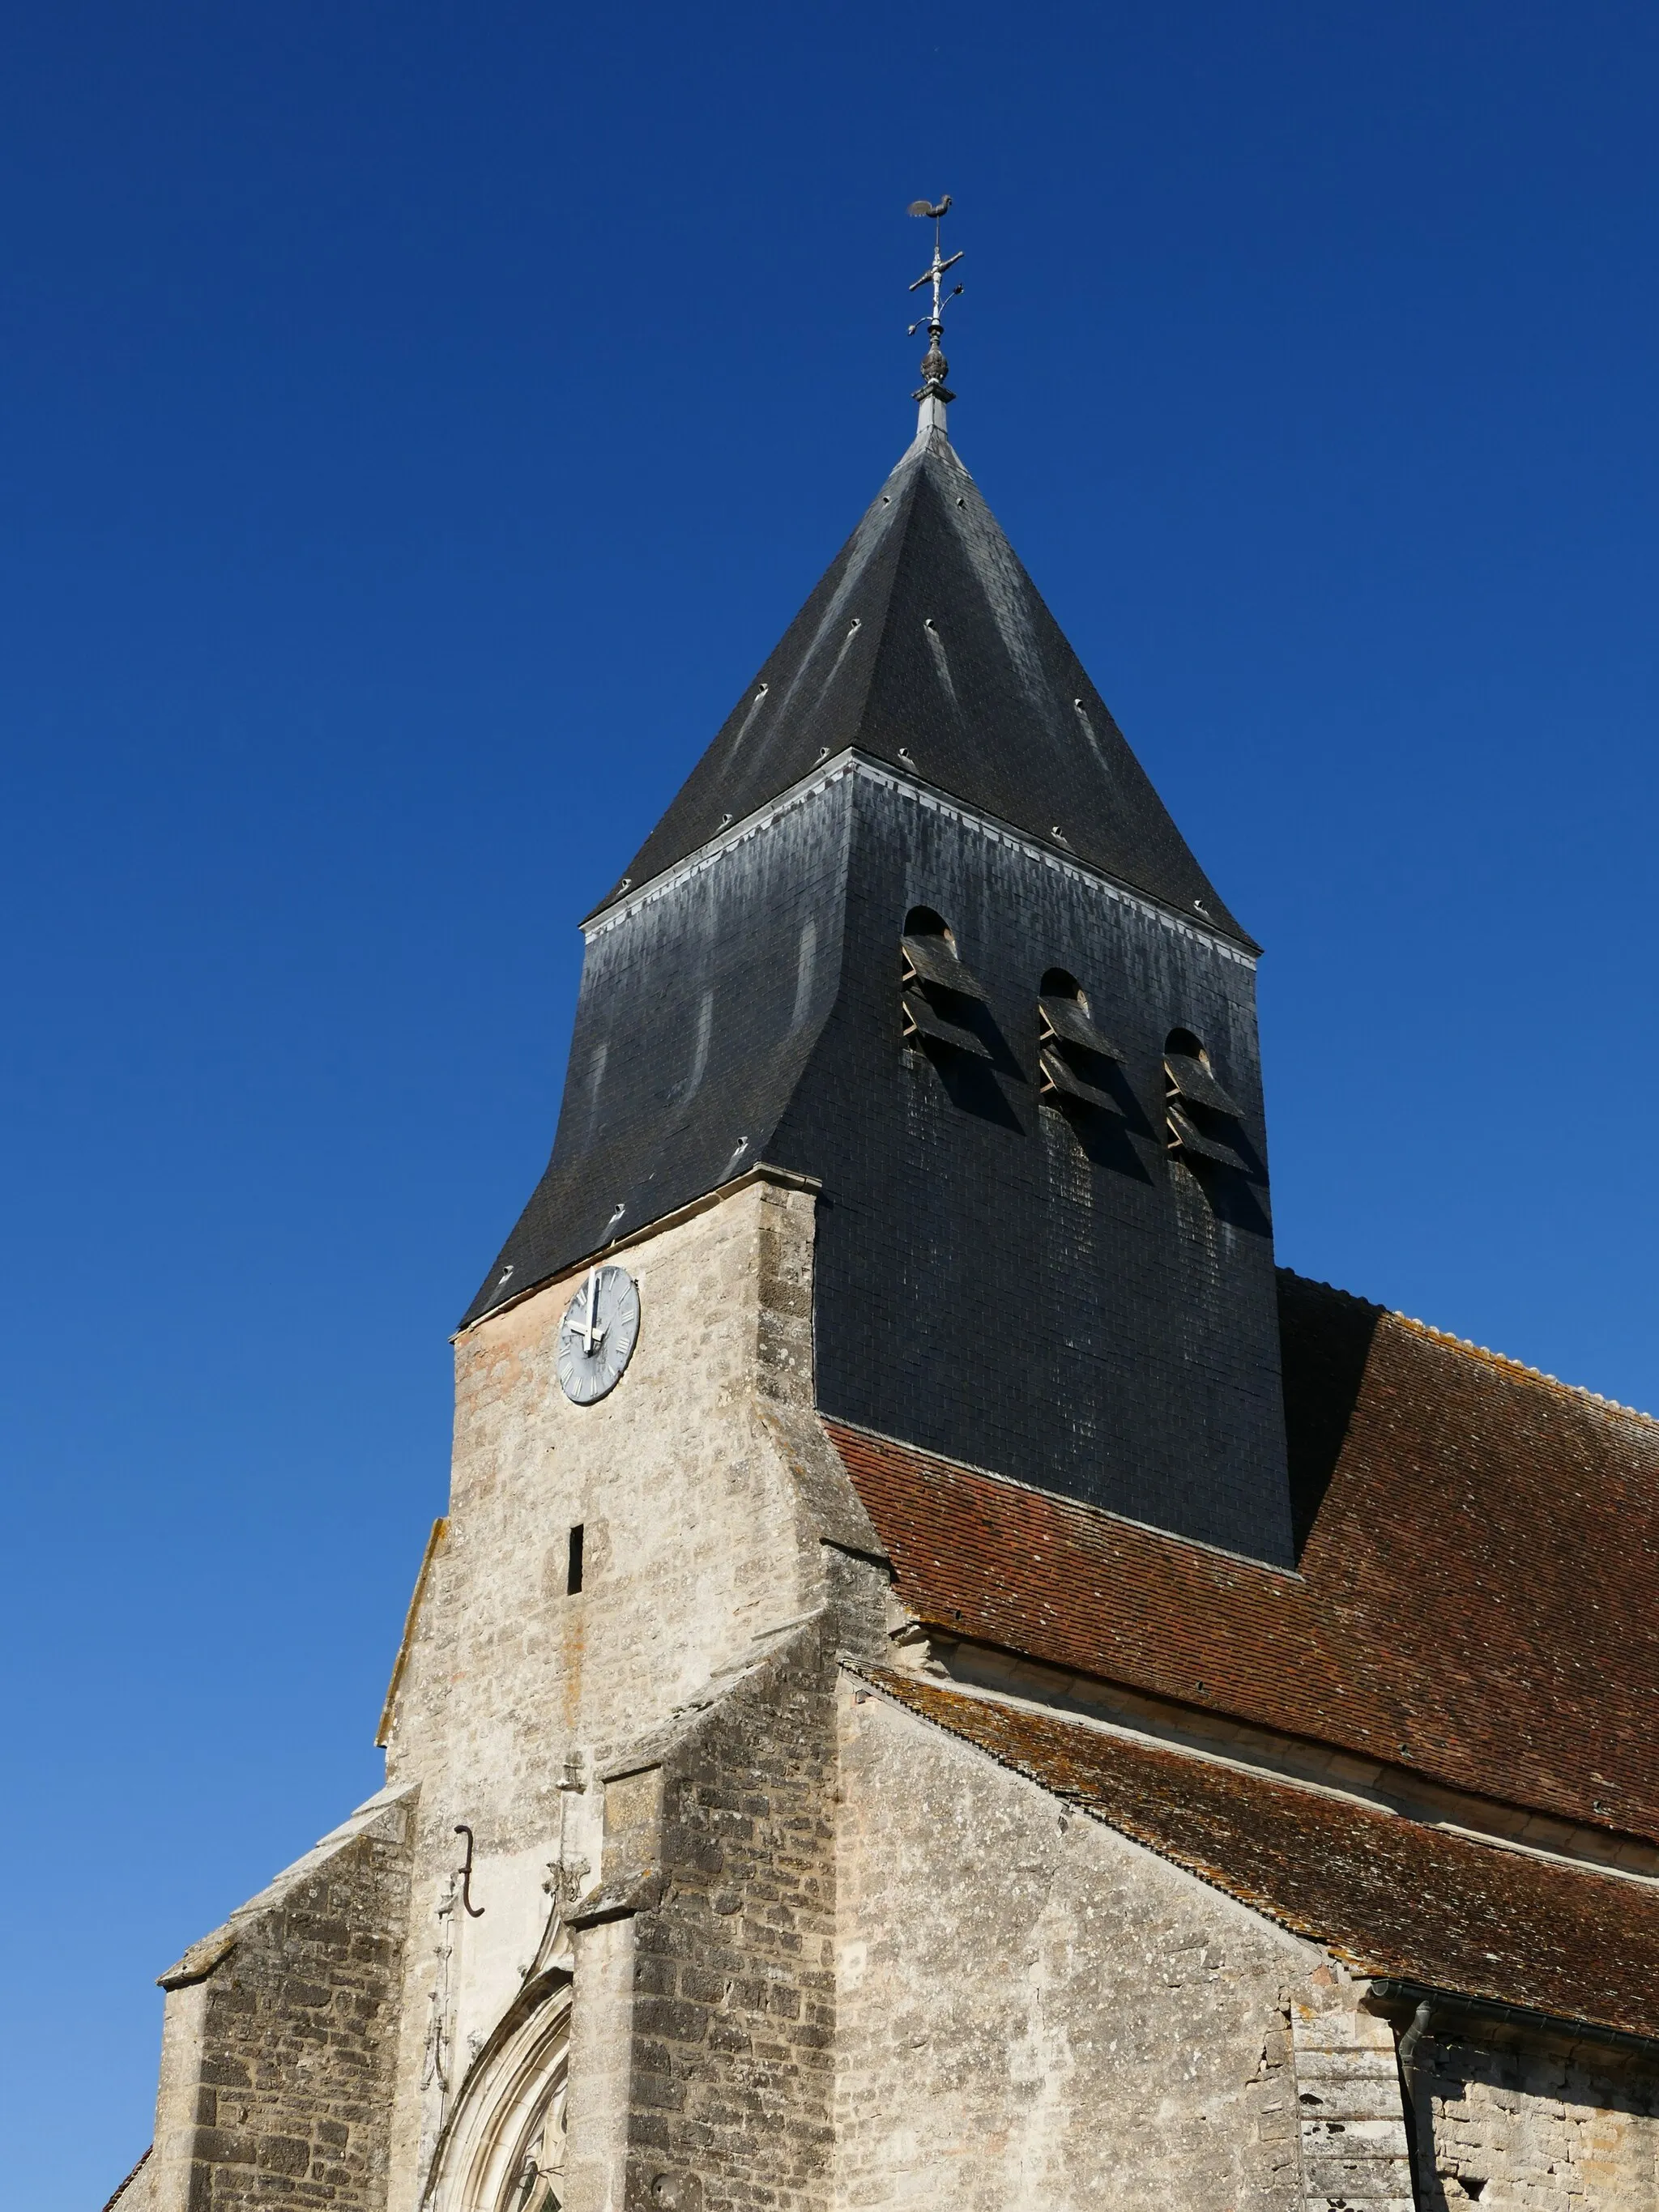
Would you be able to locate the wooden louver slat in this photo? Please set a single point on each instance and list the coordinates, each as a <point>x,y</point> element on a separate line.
<point>923,1020</point>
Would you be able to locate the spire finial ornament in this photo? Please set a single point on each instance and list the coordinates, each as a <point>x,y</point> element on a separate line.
<point>933,397</point>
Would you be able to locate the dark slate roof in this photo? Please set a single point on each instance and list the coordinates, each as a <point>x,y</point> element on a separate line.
<point>926,638</point>
<point>1393,1898</point>
<point>1478,1598</point>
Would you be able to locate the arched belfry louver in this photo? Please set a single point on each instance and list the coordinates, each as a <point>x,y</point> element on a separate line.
<point>1203,1119</point>
<point>938,990</point>
<point>1073,1053</point>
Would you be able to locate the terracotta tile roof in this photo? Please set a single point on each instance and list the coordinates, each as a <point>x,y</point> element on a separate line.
<point>1389,1895</point>
<point>1478,1596</point>
<point>121,2187</point>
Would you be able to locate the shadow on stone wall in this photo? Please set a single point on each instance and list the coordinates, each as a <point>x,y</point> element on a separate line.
<point>1529,2126</point>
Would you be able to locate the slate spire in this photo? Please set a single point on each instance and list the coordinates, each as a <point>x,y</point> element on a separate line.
<point>927,646</point>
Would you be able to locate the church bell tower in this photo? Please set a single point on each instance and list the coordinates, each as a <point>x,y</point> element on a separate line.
<point>854,1723</point>
<point>918,932</point>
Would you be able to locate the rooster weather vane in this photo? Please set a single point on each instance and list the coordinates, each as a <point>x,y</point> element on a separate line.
<point>934,365</point>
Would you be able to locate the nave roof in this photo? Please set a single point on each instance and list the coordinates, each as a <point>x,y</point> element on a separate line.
<point>1477,1596</point>
<point>1393,1898</point>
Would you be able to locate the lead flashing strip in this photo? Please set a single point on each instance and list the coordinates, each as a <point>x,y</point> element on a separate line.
<point>1237,1760</point>
<point>933,801</point>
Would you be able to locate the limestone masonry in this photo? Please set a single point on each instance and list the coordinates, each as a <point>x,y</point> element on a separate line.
<point>946,1680</point>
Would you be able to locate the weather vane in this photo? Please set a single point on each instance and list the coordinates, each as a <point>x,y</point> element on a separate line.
<point>934,366</point>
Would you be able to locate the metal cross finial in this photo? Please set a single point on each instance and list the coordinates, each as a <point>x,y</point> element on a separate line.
<point>934,368</point>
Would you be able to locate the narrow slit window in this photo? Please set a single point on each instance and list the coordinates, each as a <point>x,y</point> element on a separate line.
<point>573,1573</point>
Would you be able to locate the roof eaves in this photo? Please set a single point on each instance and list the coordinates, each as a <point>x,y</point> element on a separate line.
<point>1408,1992</point>
<point>1366,1965</point>
<point>1501,1361</point>
<point>1080,1799</point>
<point>1576,1392</point>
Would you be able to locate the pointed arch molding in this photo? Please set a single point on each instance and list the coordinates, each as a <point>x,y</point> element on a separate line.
<point>502,2147</point>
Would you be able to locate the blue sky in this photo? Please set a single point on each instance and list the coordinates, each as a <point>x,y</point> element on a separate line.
<point>416,423</point>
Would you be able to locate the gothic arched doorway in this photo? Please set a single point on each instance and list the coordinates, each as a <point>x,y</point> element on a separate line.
<point>502,2148</point>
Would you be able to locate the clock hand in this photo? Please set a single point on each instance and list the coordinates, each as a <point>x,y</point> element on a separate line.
<point>592,1300</point>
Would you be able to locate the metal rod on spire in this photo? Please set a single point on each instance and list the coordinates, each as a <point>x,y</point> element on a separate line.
<point>933,397</point>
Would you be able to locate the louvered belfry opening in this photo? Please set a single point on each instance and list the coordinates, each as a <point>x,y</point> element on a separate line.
<point>938,993</point>
<point>1204,1121</point>
<point>1074,1056</point>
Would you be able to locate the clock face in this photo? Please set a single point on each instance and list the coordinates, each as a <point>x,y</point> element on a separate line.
<point>598,1333</point>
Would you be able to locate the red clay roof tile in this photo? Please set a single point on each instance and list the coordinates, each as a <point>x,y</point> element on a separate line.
<point>1478,1596</point>
<point>1391,1897</point>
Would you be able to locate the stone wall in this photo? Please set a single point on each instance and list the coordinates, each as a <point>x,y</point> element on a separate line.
<point>279,2035</point>
<point>1352,2120</point>
<point>704,1488</point>
<point>601,2067</point>
<point>730,1843</point>
<point>1033,2011</point>
<point>1560,2129</point>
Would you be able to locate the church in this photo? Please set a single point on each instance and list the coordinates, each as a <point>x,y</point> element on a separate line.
<point>948,1680</point>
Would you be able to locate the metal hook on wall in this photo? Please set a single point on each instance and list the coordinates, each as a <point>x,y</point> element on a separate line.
<point>476,1911</point>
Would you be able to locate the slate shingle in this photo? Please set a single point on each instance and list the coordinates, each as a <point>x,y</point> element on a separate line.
<point>927,646</point>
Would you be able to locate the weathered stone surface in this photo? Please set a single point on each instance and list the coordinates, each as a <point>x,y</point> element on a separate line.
<point>1035,2011</point>
<point>706,1490</point>
<point>734,2011</point>
<point>601,2066</point>
<point>1563,2130</point>
<point>821,1954</point>
<point>280,2032</point>
<point>1351,2117</point>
